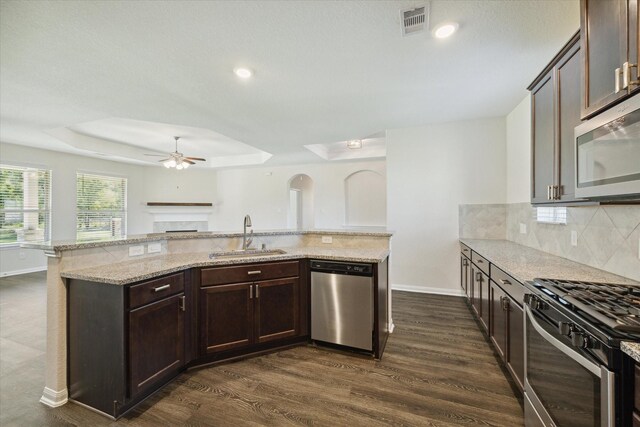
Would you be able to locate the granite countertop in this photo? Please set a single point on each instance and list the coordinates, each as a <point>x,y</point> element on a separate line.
<point>632,349</point>
<point>525,264</point>
<point>65,245</point>
<point>146,268</point>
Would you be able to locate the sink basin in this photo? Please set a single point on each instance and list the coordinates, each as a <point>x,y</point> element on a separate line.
<point>246,253</point>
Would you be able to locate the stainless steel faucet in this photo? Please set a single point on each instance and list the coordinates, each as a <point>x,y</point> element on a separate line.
<point>247,242</point>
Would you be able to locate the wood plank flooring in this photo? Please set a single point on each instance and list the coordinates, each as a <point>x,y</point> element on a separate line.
<point>438,370</point>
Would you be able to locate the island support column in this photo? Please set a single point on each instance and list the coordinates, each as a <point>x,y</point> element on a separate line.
<point>55,387</point>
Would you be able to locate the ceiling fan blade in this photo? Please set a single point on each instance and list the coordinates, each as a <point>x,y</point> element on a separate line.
<point>164,160</point>
<point>199,159</point>
<point>188,161</point>
<point>155,155</point>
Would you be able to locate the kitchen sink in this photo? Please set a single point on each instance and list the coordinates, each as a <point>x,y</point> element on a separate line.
<point>246,253</point>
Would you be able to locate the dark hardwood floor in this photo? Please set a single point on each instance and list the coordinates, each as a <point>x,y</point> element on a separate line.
<point>438,370</point>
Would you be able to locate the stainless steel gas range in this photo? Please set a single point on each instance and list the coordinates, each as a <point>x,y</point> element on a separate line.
<point>575,373</point>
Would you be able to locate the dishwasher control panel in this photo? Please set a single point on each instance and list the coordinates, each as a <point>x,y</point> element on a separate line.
<point>342,267</point>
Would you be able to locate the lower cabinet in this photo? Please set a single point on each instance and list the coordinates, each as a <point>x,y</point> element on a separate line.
<point>495,298</point>
<point>240,316</point>
<point>125,341</point>
<point>507,332</point>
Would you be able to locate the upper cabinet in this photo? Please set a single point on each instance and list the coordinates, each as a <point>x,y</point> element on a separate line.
<point>555,112</point>
<point>609,45</point>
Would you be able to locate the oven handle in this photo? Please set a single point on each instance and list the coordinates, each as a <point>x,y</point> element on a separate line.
<point>583,361</point>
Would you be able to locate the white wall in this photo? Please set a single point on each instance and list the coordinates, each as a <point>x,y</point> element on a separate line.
<point>519,152</point>
<point>264,194</point>
<point>365,199</point>
<point>430,171</point>
<point>144,184</point>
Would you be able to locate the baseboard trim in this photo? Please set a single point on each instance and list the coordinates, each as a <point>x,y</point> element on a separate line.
<point>53,398</point>
<point>427,290</point>
<point>24,271</point>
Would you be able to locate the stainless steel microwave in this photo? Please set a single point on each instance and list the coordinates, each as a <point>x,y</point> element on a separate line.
<point>608,154</point>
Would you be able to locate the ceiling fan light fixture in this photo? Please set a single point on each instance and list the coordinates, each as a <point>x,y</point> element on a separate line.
<point>184,165</point>
<point>354,144</point>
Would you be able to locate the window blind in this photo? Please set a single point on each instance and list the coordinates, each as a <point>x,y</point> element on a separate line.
<point>25,205</point>
<point>101,206</point>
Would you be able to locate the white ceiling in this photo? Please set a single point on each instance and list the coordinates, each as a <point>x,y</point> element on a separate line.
<point>324,71</point>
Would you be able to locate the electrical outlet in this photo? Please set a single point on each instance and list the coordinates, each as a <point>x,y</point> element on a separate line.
<point>523,228</point>
<point>153,248</point>
<point>327,239</point>
<point>136,250</point>
<point>574,238</point>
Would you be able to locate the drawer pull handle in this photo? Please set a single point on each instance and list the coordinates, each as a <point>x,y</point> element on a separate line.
<point>253,272</point>
<point>257,291</point>
<point>505,282</point>
<point>480,261</point>
<point>162,288</point>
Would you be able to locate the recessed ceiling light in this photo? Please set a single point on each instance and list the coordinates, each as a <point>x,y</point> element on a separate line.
<point>243,73</point>
<point>445,29</point>
<point>354,144</point>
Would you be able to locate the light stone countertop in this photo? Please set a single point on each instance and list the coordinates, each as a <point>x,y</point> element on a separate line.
<point>134,271</point>
<point>632,349</point>
<point>526,264</point>
<point>66,245</point>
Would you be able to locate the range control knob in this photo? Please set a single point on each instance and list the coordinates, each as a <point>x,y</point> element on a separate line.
<point>565,328</point>
<point>577,339</point>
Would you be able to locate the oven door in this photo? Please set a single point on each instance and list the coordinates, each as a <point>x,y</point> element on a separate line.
<point>608,153</point>
<point>563,387</point>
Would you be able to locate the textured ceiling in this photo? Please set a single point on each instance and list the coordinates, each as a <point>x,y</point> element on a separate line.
<point>324,71</point>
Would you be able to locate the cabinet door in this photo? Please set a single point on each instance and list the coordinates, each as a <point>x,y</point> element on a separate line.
<point>604,39</point>
<point>276,309</point>
<point>515,350</point>
<point>485,308</point>
<point>476,298</point>
<point>499,320</point>
<point>156,343</point>
<point>226,320</point>
<point>568,91</point>
<point>464,274</point>
<point>542,139</point>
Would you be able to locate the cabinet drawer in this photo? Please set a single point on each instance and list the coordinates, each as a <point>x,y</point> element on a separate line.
<point>510,285</point>
<point>155,290</point>
<point>247,273</point>
<point>480,262</point>
<point>637,388</point>
<point>464,249</point>
<point>636,419</point>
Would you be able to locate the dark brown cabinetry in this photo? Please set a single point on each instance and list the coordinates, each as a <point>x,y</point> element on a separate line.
<point>636,386</point>
<point>507,332</point>
<point>264,307</point>
<point>609,44</point>
<point>555,112</point>
<point>125,341</point>
<point>496,299</point>
<point>465,270</point>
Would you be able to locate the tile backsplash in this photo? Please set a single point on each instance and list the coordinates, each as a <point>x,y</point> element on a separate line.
<point>607,237</point>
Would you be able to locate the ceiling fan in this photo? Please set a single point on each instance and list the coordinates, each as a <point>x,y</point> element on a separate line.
<point>178,160</point>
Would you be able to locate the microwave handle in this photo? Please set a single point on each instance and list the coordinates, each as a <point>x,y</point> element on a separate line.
<point>584,362</point>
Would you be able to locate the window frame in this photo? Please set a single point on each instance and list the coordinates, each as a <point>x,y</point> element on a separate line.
<point>46,211</point>
<point>123,213</point>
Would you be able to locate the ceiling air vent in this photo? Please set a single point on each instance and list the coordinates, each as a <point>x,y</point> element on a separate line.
<point>414,20</point>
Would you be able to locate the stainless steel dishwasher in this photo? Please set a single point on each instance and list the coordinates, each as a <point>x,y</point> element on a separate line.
<point>342,303</point>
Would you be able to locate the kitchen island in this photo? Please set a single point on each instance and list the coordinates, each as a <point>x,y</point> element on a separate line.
<point>106,265</point>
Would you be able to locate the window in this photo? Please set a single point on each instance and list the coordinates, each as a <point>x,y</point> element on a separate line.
<point>25,205</point>
<point>552,215</point>
<point>101,207</point>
